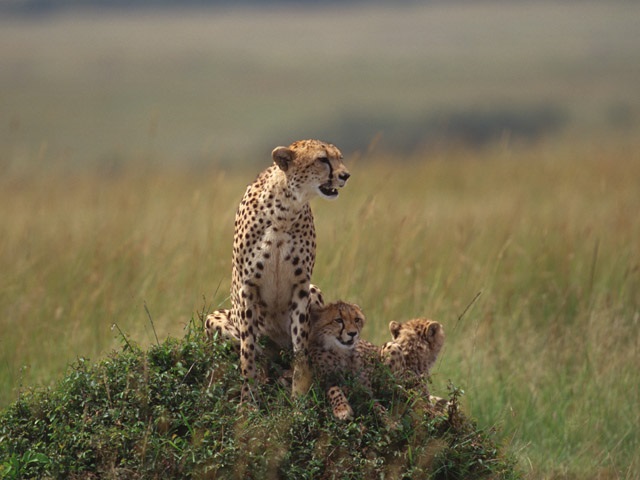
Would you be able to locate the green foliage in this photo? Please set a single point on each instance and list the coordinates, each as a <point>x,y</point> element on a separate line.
<point>173,412</point>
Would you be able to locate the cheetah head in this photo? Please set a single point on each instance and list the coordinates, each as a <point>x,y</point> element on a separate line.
<point>336,325</point>
<point>312,168</point>
<point>418,335</point>
<point>414,349</point>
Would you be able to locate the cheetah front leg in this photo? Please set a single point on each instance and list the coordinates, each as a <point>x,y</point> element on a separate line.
<point>302,376</point>
<point>339,403</point>
<point>248,343</point>
<point>315,300</point>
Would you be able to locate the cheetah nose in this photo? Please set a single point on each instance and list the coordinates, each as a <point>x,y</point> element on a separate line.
<point>344,176</point>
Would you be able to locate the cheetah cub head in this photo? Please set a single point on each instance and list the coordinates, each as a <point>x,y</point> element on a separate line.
<point>312,168</point>
<point>418,331</point>
<point>336,326</point>
<point>420,341</point>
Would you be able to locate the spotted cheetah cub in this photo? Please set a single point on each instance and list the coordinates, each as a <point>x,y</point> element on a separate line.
<point>413,350</point>
<point>335,332</point>
<point>336,348</point>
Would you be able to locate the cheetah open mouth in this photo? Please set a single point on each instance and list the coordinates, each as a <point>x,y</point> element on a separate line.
<point>328,191</point>
<point>347,343</point>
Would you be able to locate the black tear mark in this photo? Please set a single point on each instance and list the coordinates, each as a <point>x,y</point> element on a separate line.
<point>326,161</point>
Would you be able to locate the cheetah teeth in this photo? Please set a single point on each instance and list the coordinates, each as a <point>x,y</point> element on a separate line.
<point>328,191</point>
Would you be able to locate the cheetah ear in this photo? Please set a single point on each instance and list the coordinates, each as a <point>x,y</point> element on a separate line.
<point>432,330</point>
<point>394,328</point>
<point>429,332</point>
<point>283,157</point>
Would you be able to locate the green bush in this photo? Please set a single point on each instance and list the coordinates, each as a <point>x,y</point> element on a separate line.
<point>173,412</point>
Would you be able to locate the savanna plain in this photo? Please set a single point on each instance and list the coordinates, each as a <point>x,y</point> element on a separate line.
<point>529,257</point>
<point>528,252</point>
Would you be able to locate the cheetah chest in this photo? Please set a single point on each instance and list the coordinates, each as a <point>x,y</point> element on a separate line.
<point>281,267</point>
<point>278,270</point>
<point>332,361</point>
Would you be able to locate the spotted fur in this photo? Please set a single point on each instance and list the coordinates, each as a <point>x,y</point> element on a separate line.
<point>274,249</point>
<point>335,331</point>
<point>218,323</point>
<point>413,350</point>
<point>334,334</point>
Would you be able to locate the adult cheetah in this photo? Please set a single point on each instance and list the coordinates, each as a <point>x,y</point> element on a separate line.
<point>274,249</point>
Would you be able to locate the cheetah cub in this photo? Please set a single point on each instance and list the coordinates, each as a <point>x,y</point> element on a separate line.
<point>335,332</point>
<point>413,350</point>
<point>337,349</point>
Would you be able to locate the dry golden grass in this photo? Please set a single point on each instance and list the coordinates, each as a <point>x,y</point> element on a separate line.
<point>546,235</point>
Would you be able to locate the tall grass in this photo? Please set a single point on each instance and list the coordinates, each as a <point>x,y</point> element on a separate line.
<point>549,238</point>
<point>529,257</point>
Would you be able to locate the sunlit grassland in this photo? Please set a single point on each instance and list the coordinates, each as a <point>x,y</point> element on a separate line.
<point>530,257</point>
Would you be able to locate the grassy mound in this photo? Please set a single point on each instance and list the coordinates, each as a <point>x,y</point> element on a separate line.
<point>173,412</point>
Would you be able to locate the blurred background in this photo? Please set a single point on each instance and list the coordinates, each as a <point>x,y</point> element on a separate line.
<point>97,82</point>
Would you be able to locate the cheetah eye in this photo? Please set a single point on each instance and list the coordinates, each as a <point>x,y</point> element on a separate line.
<point>325,160</point>
<point>339,321</point>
